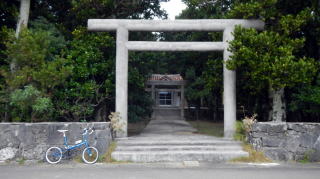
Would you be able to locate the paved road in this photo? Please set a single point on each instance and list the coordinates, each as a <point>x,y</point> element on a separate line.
<point>155,171</point>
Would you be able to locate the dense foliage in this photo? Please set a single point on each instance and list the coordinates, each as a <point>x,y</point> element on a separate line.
<point>39,70</point>
<point>65,73</point>
<point>285,55</point>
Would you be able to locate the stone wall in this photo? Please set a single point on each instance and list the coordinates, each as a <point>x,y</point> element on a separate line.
<point>30,141</point>
<point>287,141</point>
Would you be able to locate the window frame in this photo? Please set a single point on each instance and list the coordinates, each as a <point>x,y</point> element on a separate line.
<point>165,98</point>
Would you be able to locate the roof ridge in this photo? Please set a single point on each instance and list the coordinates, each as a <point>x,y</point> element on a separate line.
<point>165,77</point>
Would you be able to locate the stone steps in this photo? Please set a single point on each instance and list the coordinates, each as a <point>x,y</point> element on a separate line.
<point>177,155</point>
<point>174,150</point>
<point>177,142</point>
<point>179,147</point>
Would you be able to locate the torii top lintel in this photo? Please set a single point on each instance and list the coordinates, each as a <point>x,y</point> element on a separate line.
<point>171,25</point>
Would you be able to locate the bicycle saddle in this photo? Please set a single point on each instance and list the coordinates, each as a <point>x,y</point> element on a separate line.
<point>62,130</point>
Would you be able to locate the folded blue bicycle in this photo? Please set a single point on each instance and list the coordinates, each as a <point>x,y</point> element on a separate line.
<point>89,154</point>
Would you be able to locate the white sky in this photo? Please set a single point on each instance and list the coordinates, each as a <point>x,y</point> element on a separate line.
<point>173,8</point>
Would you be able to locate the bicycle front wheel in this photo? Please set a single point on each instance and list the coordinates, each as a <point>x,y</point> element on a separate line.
<point>90,155</point>
<point>53,155</point>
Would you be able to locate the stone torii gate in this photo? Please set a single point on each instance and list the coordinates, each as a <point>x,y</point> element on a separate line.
<point>123,26</point>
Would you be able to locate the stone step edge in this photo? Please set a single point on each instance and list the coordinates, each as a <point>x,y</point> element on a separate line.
<point>143,143</point>
<point>146,138</point>
<point>177,140</point>
<point>178,152</point>
<point>176,157</point>
<point>177,147</point>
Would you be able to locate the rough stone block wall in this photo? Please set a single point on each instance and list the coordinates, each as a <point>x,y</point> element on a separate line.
<point>287,141</point>
<point>30,141</point>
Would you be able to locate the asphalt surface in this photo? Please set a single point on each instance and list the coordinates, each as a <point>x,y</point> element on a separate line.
<point>155,171</point>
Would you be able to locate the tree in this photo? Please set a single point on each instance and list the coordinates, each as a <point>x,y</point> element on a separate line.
<point>68,15</point>
<point>87,92</point>
<point>38,72</point>
<point>306,102</point>
<point>204,9</point>
<point>29,105</point>
<point>8,10</point>
<point>22,23</point>
<point>273,57</point>
<point>23,16</point>
<point>90,84</point>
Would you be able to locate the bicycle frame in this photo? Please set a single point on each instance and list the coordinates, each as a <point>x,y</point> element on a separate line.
<point>54,154</point>
<point>84,142</point>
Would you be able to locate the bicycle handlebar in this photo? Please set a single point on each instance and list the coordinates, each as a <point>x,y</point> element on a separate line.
<point>91,132</point>
<point>86,131</point>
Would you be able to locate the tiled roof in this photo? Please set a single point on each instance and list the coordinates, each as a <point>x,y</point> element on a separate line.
<point>166,77</point>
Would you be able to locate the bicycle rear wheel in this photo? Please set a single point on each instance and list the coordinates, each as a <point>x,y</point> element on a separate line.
<point>90,155</point>
<point>53,155</point>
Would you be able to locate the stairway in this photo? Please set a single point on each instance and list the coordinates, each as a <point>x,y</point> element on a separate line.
<point>180,149</point>
<point>175,143</point>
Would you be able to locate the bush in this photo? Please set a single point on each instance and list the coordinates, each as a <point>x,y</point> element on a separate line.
<point>29,105</point>
<point>240,133</point>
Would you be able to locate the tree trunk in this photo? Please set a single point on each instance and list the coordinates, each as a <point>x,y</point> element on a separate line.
<point>23,16</point>
<point>100,113</point>
<point>278,111</point>
<point>22,22</point>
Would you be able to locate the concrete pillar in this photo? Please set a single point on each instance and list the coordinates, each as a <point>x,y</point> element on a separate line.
<point>229,88</point>
<point>122,79</point>
<point>182,102</point>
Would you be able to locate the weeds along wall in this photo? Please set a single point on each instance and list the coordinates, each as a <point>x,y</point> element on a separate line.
<point>29,141</point>
<point>287,141</point>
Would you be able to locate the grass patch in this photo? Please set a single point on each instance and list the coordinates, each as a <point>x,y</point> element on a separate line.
<point>78,159</point>
<point>254,156</point>
<point>208,127</point>
<point>21,161</point>
<point>106,157</point>
<point>240,133</point>
<point>306,157</point>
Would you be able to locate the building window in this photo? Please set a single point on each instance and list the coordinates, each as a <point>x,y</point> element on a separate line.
<point>165,98</point>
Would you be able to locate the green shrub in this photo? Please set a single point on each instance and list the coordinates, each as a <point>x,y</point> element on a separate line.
<point>30,105</point>
<point>240,133</point>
